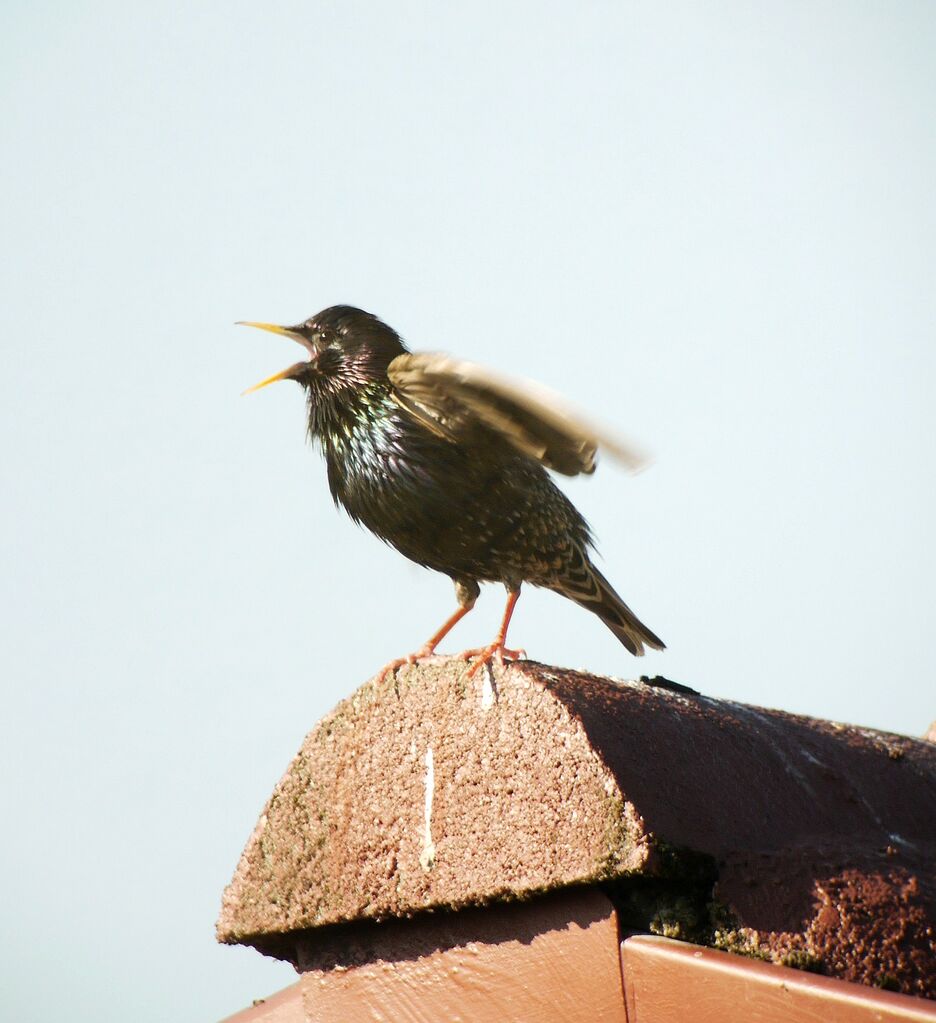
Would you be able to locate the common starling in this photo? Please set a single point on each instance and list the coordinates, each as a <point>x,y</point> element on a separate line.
<point>446,461</point>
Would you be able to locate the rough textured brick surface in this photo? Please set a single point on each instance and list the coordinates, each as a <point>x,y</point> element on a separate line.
<point>794,839</point>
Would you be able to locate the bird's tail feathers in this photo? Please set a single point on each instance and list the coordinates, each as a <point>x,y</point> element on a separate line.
<point>588,587</point>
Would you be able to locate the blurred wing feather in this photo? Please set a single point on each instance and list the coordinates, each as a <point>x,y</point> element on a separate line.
<point>457,400</point>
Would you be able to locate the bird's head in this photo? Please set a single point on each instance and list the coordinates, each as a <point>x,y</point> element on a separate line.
<point>347,349</point>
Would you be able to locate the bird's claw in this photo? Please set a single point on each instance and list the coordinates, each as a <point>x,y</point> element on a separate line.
<point>424,655</point>
<point>497,651</point>
<point>480,655</point>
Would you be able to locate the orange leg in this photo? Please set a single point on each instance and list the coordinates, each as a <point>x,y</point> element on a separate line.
<point>498,649</point>
<point>428,648</point>
<point>467,594</point>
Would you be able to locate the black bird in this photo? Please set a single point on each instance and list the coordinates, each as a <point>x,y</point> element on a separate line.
<point>446,461</point>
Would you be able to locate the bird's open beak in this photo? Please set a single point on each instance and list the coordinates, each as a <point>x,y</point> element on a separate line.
<point>274,328</point>
<point>283,374</point>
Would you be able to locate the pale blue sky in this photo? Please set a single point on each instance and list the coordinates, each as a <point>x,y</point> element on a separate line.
<point>711,224</point>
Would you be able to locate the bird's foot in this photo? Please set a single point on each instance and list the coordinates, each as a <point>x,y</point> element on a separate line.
<point>497,651</point>
<point>424,655</point>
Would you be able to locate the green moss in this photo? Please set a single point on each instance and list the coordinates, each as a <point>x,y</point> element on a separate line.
<point>676,902</point>
<point>799,959</point>
<point>679,919</point>
<point>739,942</point>
<point>662,906</point>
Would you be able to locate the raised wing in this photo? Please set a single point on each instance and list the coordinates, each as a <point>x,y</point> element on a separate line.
<point>457,400</point>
